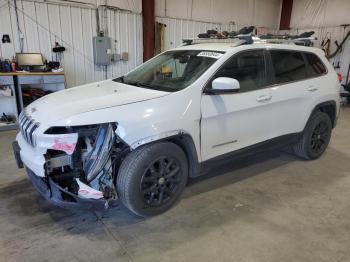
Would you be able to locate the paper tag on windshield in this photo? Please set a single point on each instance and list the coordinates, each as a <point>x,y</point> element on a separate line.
<point>214,55</point>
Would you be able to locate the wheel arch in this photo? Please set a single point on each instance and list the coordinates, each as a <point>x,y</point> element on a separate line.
<point>185,142</point>
<point>328,107</point>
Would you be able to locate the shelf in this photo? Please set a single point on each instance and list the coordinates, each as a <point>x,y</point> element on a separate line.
<point>12,104</point>
<point>5,127</point>
<point>30,73</point>
<point>7,96</point>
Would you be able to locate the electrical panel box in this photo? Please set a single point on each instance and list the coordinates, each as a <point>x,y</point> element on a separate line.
<point>125,56</point>
<point>102,50</point>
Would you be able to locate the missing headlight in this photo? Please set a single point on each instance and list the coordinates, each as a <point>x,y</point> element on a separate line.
<point>100,152</point>
<point>95,161</point>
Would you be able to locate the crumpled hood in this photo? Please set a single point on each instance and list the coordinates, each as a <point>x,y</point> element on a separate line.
<point>90,97</point>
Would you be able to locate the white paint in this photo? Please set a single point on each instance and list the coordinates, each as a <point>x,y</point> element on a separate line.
<point>225,83</point>
<point>86,98</point>
<point>210,120</point>
<point>64,142</point>
<point>32,157</point>
<point>243,119</point>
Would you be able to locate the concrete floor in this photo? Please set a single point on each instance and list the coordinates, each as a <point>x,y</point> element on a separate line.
<point>271,207</point>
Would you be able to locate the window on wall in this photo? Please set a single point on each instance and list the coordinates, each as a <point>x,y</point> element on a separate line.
<point>248,68</point>
<point>316,68</point>
<point>288,66</point>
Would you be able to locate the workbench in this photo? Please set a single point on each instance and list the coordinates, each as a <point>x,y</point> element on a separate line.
<point>13,105</point>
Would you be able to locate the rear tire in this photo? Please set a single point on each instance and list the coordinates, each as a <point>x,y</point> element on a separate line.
<point>151,178</point>
<point>315,138</point>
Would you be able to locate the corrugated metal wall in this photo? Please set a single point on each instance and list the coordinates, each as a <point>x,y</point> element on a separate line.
<point>317,13</point>
<point>178,29</point>
<point>42,24</point>
<point>261,13</point>
<point>327,18</point>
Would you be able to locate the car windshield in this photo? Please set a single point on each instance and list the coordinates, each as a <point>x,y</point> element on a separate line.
<point>172,70</point>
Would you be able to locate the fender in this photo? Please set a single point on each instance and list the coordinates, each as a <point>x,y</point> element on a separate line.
<point>155,138</point>
<point>180,138</point>
<point>328,107</point>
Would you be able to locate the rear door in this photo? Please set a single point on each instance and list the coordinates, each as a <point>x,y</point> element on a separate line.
<point>290,92</point>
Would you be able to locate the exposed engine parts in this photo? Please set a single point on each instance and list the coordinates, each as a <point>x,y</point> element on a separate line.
<point>90,171</point>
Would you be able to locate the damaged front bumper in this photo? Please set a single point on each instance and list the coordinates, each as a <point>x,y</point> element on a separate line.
<point>61,197</point>
<point>54,193</point>
<point>83,176</point>
<point>57,195</point>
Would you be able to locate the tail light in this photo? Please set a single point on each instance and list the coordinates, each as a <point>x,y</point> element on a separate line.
<point>340,77</point>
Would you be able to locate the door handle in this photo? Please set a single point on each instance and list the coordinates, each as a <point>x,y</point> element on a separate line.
<point>264,98</point>
<point>312,88</point>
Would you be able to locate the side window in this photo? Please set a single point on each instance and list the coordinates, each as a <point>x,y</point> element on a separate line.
<point>289,66</point>
<point>248,68</point>
<point>316,67</point>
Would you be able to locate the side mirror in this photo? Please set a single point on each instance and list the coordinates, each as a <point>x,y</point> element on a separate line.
<point>223,85</point>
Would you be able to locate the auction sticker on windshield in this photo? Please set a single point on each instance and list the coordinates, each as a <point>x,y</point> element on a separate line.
<point>215,55</point>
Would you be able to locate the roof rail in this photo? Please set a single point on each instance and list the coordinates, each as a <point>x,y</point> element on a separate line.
<point>305,41</point>
<point>236,41</point>
<point>250,39</point>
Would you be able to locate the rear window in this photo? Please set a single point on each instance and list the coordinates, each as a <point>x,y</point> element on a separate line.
<point>317,68</point>
<point>288,66</point>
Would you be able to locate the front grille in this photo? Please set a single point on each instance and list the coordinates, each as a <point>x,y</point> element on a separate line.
<point>27,126</point>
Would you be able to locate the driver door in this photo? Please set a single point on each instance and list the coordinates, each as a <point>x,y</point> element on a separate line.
<point>236,120</point>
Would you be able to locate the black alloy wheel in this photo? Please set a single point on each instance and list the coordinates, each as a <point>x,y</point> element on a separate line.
<point>320,137</point>
<point>151,178</point>
<point>315,137</point>
<point>160,181</point>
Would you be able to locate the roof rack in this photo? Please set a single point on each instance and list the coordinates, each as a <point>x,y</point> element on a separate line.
<point>236,41</point>
<point>304,41</point>
<point>249,39</point>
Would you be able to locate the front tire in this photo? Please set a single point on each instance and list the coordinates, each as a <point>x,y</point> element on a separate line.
<point>315,138</point>
<point>151,178</point>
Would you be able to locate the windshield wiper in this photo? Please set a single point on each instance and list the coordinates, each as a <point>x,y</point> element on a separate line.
<point>148,86</point>
<point>132,83</point>
<point>138,84</point>
<point>119,79</point>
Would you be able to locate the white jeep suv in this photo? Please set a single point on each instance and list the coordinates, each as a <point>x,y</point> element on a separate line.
<point>138,138</point>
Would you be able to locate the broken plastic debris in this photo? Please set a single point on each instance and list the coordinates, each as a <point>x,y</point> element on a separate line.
<point>59,144</point>
<point>88,192</point>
